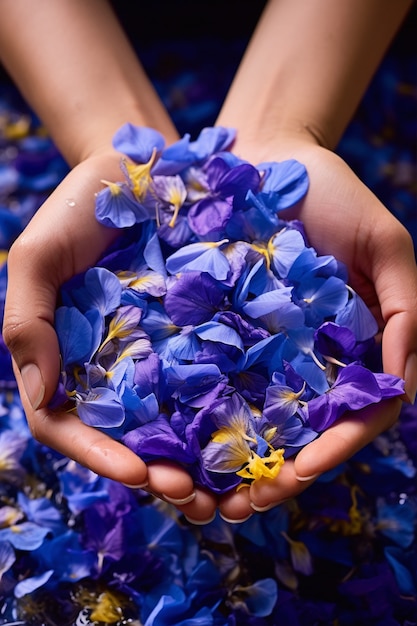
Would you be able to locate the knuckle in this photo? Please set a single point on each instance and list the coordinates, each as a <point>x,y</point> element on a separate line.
<point>15,332</point>
<point>21,249</point>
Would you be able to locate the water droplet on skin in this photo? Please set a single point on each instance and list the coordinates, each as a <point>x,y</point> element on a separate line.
<point>70,202</point>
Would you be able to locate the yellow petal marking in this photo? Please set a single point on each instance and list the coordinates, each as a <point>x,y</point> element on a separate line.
<point>140,175</point>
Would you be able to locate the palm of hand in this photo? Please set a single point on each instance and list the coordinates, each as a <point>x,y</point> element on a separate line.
<point>343,218</point>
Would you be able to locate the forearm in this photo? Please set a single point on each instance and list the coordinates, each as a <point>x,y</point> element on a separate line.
<point>308,65</point>
<point>76,68</point>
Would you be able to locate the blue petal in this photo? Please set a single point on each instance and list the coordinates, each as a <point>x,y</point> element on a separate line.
<point>211,140</point>
<point>24,536</point>
<point>288,179</point>
<point>323,297</point>
<point>268,351</point>
<point>357,317</point>
<point>175,158</point>
<point>276,310</point>
<point>183,346</point>
<point>260,597</point>
<point>7,557</point>
<point>102,291</point>
<point>404,575</point>
<point>75,335</point>
<point>286,246</point>
<point>101,408</point>
<point>309,265</point>
<point>119,209</point>
<point>201,256</point>
<point>29,585</point>
<point>137,142</point>
<point>217,332</point>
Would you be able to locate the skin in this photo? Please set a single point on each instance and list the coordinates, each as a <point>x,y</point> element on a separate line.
<point>288,100</point>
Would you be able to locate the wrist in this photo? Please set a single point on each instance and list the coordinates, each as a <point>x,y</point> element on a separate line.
<point>95,137</point>
<point>285,142</point>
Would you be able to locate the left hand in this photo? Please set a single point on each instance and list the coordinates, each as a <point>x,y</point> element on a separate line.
<point>344,218</point>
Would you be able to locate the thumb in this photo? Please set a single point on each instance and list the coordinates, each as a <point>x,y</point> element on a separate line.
<point>28,328</point>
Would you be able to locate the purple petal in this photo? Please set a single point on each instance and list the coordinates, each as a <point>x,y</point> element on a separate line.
<point>334,340</point>
<point>209,215</point>
<point>193,299</point>
<point>355,388</point>
<point>389,385</point>
<point>156,440</point>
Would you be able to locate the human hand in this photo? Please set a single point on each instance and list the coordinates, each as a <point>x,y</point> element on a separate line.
<point>63,239</point>
<point>342,217</point>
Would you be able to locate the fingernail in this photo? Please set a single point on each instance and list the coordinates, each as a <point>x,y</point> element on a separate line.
<point>178,501</point>
<point>199,522</point>
<point>33,384</point>
<point>141,486</point>
<point>267,507</point>
<point>410,377</point>
<point>234,521</point>
<point>304,479</point>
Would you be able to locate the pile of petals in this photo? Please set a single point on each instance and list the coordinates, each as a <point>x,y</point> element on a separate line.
<point>211,333</point>
<point>78,549</point>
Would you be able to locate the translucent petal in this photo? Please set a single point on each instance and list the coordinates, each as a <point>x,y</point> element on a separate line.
<point>357,317</point>
<point>284,248</point>
<point>75,335</point>
<point>102,291</point>
<point>119,209</point>
<point>193,299</point>
<point>138,142</point>
<point>29,585</point>
<point>101,407</point>
<point>217,332</point>
<point>201,256</point>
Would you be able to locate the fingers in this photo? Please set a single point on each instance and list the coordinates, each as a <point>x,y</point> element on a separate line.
<point>262,495</point>
<point>67,434</point>
<point>202,509</point>
<point>344,438</point>
<point>337,444</point>
<point>268,493</point>
<point>396,285</point>
<point>171,481</point>
<point>173,484</point>
<point>235,506</point>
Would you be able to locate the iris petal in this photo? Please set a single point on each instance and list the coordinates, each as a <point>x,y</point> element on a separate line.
<point>138,142</point>
<point>201,256</point>
<point>101,407</point>
<point>193,299</point>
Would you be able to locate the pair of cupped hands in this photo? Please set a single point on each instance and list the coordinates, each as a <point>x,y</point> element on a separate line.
<point>342,217</point>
